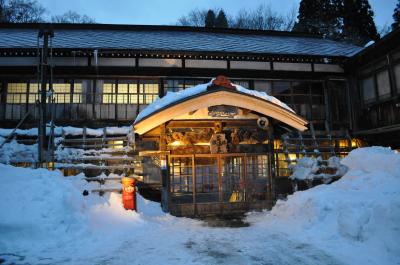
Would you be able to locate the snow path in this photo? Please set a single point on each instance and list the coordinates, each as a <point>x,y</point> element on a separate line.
<point>215,246</point>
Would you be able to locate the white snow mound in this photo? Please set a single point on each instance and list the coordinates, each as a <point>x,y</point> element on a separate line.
<point>357,217</point>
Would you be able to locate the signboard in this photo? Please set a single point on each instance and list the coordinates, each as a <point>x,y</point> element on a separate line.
<point>223,111</point>
<point>218,144</point>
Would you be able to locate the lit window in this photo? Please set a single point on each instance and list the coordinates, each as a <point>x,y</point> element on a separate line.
<point>368,89</point>
<point>109,91</point>
<point>127,94</point>
<point>16,92</point>
<point>33,95</point>
<point>62,92</point>
<point>77,94</point>
<point>148,92</point>
<point>382,79</point>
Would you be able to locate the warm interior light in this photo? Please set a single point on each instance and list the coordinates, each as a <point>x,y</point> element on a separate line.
<point>202,144</point>
<point>355,143</point>
<point>176,143</point>
<point>292,157</point>
<point>117,144</point>
<point>343,143</point>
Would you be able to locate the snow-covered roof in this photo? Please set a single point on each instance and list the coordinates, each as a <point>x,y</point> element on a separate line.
<point>180,39</point>
<point>172,97</point>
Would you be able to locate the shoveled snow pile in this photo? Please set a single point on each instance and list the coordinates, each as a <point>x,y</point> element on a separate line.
<point>44,219</point>
<point>69,130</point>
<point>356,218</point>
<point>307,168</point>
<point>172,97</point>
<point>16,152</point>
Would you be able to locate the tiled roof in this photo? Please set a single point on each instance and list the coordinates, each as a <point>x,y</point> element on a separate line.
<point>173,39</point>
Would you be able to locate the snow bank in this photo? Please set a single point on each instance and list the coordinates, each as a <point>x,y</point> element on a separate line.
<point>69,130</point>
<point>172,97</point>
<point>44,219</point>
<point>15,152</point>
<point>309,168</point>
<point>356,218</point>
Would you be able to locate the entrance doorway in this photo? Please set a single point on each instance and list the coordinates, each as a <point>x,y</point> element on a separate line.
<point>216,183</point>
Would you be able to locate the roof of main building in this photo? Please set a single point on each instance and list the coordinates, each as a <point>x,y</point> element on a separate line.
<point>173,39</point>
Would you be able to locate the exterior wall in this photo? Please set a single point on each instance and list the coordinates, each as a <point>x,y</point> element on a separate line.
<point>311,99</point>
<point>94,86</point>
<point>375,91</point>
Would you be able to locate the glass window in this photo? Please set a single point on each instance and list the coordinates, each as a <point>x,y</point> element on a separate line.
<point>383,82</point>
<point>174,85</point>
<point>242,83</point>
<point>16,92</point>
<point>194,82</point>
<point>280,88</point>
<point>300,88</point>
<point>263,86</point>
<point>83,91</point>
<point>77,93</point>
<point>33,95</point>
<point>127,93</point>
<point>368,89</point>
<point>109,93</point>
<point>148,92</point>
<point>396,71</point>
<point>62,92</point>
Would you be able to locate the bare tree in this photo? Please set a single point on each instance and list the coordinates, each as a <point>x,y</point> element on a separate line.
<point>261,18</point>
<point>195,18</point>
<point>290,18</point>
<point>24,11</point>
<point>72,17</point>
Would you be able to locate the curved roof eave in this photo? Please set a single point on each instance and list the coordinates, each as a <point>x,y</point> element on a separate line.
<point>219,97</point>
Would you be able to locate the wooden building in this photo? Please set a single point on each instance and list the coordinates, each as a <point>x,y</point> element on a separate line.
<point>106,75</point>
<point>215,146</point>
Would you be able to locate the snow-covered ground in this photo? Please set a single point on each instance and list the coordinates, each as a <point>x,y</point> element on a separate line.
<point>44,219</point>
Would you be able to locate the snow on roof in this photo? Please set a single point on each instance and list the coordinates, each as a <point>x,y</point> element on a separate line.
<point>176,39</point>
<point>173,97</point>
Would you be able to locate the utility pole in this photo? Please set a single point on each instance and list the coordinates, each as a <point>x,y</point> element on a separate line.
<point>44,72</point>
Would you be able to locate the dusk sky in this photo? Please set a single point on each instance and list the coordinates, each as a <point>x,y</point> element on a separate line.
<point>167,12</point>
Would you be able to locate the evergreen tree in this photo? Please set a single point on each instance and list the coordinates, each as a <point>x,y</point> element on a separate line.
<point>396,16</point>
<point>319,17</point>
<point>221,21</point>
<point>358,22</point>
<point>209,21</point>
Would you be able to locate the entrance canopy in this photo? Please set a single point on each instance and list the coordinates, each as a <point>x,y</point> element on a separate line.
<point>188,101</point>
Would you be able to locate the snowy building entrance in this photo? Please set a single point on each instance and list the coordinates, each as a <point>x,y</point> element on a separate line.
<point>210,147</point>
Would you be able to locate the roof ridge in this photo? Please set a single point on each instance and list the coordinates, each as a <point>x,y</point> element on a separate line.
<point>98,26</point>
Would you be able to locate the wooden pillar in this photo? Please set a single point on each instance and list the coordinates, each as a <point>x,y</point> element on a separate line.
<point>194,185</point>
<point>165,177</point>
<point>271,165</point>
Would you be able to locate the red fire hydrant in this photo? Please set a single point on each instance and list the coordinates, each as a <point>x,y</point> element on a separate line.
<point>128,193</point>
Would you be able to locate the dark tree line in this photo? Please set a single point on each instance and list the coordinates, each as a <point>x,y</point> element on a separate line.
<point>396,16</point>
<point>30,11</point>
<point>349,20</point>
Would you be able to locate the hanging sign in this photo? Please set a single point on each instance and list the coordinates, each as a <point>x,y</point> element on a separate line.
<point>218,144</point>
<point>222,111</point>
